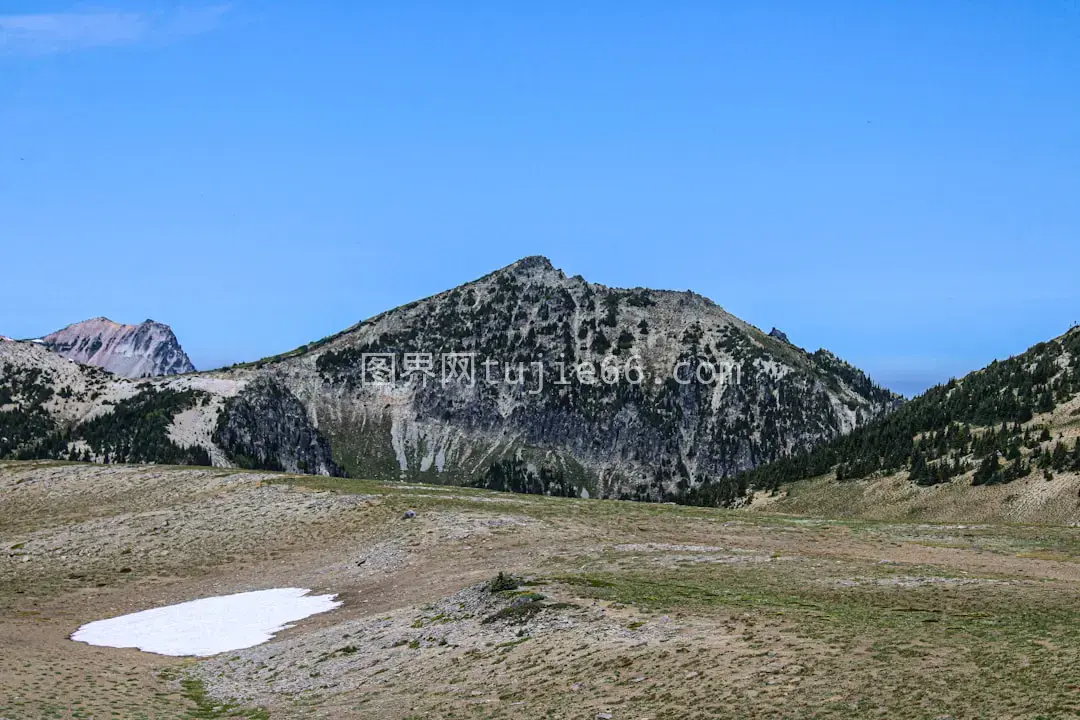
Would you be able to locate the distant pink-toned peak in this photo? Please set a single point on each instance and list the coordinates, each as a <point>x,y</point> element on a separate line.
<point>147,349</point>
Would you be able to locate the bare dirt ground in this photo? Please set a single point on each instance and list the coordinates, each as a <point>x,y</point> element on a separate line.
<point>617,610</point>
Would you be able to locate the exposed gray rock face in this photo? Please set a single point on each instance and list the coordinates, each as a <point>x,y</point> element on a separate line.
<point>133,351</point>
<point>561,430</point>
<point>265,427</point>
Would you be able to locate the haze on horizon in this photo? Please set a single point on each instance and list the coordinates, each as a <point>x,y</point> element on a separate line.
<point>894,183</point>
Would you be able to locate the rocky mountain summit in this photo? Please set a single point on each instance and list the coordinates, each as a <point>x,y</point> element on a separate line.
<point>576,388</point>
<point>524,380</point>
<point>148,349</point>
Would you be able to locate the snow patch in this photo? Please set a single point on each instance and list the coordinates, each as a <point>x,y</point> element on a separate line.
<point>210,625</point>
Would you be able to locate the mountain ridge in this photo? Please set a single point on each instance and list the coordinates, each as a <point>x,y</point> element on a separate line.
<point>717,395</point>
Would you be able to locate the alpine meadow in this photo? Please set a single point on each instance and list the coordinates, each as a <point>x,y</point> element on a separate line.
<point>607,361</point>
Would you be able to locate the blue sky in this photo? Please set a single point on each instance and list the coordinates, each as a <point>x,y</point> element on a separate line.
<point>897,182</point>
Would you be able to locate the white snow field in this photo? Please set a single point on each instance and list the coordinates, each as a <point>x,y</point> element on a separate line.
<point>208,626</point>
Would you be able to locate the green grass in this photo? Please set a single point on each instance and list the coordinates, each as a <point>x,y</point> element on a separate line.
<point>207,708</point>
<point>1017,640</point>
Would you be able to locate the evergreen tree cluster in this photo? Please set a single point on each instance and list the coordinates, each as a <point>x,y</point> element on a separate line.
<point>1060,459</point>
<point>980,422</point>
<point>23,419</point>
<point>136,431</point>
<point>992,471</point>
<point>514,475</point>
<point>25,386</point>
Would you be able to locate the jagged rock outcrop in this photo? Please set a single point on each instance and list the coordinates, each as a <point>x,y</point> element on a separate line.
<point>265,427</point>
<point>145,350</point>
<point>779,335</point>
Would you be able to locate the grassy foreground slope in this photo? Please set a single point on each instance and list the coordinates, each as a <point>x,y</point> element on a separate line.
<point>637,610</point>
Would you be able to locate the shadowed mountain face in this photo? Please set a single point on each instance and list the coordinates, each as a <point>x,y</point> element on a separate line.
<point>522,380</point>
<point>144,350</point>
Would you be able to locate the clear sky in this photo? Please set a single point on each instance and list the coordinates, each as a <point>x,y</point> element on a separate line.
<point>897,182</point>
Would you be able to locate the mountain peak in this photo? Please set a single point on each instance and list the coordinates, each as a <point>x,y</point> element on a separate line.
<point>533,262</point>
<point>143,350</point>
<point>529,266</point>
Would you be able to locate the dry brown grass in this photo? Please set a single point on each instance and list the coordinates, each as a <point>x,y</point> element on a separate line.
<point>648,611</point>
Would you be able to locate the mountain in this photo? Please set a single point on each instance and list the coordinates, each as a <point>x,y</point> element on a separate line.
<point>1014,420</point>
<point>52,407</point>
<point>575,389</point>
<point>654,439</point>
<point>144,350</point>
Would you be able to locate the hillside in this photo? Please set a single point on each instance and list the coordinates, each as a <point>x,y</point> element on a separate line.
<point>574,389</point>
<point>1015,420</point>
<point>133,351</point>
<point>56,408</point>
